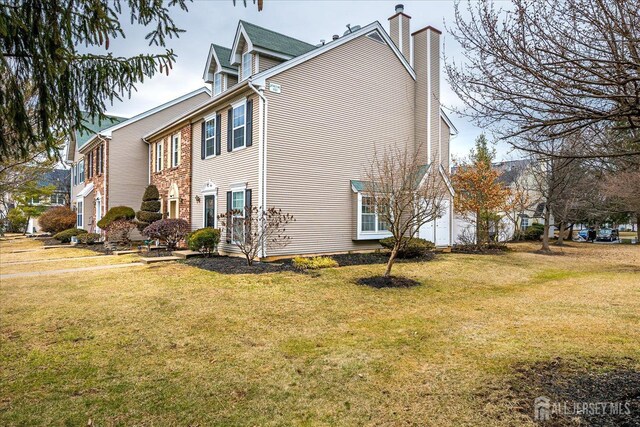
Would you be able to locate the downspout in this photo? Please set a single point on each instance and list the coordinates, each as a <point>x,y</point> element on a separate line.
<point>262,156</point>
<point>148,161</point>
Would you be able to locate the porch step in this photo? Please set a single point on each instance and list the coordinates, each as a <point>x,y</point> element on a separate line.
<point>156,259</point>
<point>186,254</point>
<point>127,252</point>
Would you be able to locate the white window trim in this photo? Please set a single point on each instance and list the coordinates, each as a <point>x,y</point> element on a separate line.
<point>159,156</point>
<point>242,65</point>
<point>244,213</point>
<point>368,235</point>
<point>217,76</point>
<point>175,150</point>
<point>242,103</point>
<point>215,124</point>
<point>80,212</point>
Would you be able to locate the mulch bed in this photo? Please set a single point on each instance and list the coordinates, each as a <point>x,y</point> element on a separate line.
<point>479,250</point>
<point>236,265</point>
<point>345,260</point>
<point>379,282</point>
<point>564,382</point>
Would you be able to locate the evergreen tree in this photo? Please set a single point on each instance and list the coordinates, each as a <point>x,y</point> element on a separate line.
<point>47,82</point>
<point>149,209</point>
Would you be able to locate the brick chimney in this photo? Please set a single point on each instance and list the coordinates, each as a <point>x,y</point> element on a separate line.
<point>399,29</point>
<point>426,64</point>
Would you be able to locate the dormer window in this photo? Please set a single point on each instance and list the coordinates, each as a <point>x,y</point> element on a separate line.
<point>217,83</point>
<point>246,65</point>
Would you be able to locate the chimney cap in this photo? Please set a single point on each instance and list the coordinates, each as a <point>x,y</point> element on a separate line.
<point>399,8</point>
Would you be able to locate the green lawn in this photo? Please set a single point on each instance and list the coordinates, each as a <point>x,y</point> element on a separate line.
<point>173,345</point>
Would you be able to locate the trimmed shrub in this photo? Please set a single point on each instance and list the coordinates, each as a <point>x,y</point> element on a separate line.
<point>57,219</point>
<point>170,231</point>
<point>204,240</point>
<point>16,221</point>
<point>534,232</point>
<point>114,214</point>
<point>119,231</point>
<point>149,209</point>
<point>412,248</point>
<point>66,235</point>
<point>314,263</point>
<point>88,238</point>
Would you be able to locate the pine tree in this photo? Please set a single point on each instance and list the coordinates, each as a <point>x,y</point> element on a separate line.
<point>150,208</point>
<point>47,82</point>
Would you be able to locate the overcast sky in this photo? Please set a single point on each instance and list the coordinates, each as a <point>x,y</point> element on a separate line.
<point>215,21</point>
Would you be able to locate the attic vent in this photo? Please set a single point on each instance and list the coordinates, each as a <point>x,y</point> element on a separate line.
<point>374,35</point>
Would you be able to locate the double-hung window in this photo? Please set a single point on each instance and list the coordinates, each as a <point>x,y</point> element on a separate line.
<point>99,159</point>
<point>239,122</point>
<point>81,172</point>
<point>524,223</point>
<point>217,83</point>
<point>79,213</point>
<point>175,150</point>
<point>90,165</point>
<point>246,65</point>
<point>159,156</point>
<point>57,199</point>
<point>210,137</point>
<point>237,219</point>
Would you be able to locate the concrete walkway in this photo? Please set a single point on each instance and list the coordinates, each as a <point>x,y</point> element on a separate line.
<point>56,259</point>
<point>69,270</point>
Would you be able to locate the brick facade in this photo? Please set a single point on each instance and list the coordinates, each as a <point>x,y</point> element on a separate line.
<point>179,175</point>
<point>98,179</point>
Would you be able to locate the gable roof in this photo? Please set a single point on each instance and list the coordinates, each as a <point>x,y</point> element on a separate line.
<point>220,55</point>
<point>223,54</point>
<point>95,125</point>
<point>374,26</point>
<point>271,40</point>
<point>267,41</point>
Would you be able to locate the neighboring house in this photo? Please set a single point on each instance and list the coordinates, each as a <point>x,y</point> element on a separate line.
<point>110,165</point>
<point>517,175</point>
<point>59,178</point>
<point>293,126</point>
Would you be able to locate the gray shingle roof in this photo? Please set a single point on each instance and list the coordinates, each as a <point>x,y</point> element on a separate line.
<point>223,55</point>
<point>95,126</point>
<point>276,42</point>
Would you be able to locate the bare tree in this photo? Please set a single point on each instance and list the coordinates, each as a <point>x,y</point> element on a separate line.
<point>404,192</point>
<point>539,71</point>
<point>254,229</point>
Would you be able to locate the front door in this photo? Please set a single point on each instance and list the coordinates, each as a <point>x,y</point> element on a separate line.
<point>98,213</point>
<point>210,211</point>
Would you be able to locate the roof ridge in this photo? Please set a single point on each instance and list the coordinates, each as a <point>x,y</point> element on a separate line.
<point>275,32</point>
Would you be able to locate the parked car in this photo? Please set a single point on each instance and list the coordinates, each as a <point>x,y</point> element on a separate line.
<point>607,235</point>
<point>584,233</point>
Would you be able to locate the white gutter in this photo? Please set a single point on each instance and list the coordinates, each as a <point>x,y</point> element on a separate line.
<point>262,157</point>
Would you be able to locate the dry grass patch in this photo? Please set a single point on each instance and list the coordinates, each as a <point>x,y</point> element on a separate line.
<point>174,345</point>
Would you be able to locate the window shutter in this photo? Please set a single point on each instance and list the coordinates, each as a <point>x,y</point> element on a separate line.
<point>249,122</point>
<point>218,133</point>
<point>230,130</point>
<point>247,198</point>
<point>202,141</point>
<point>229,224</point>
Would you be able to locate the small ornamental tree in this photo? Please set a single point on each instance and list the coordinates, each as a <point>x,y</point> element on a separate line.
<point>171,231</point>
<point>114,214</point>
<point>256,230</point>
<point>404,193</point>
<point>479,193</point>
<point>204,240</point>
<point>57,219</point>
<point>149,209</point>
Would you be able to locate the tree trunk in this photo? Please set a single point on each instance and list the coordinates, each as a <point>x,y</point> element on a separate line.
<point>570,235</point>
<point>638,227</point>
<point>545,235</point>
<point>249,260</point>
<point>392,258</point>
<point>478,234</point>
<point>560,241</point>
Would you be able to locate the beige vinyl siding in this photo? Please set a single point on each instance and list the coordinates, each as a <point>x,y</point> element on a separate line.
<point>406,37</point>
<point>128,160</point>
<point>420,111</point>
<point>322,130</point>
<point>228,168</point>
<point>231,81</point>
<point>394,30</point>
<point>265,63</point>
